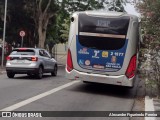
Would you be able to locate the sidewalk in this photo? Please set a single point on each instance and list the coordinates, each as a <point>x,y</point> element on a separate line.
<point>152,102</point>
<point>2,70</point>
<point>61,60</point>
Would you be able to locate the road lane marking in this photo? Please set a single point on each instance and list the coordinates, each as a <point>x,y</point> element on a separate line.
<point>149,107</point>
<point>37,97</point>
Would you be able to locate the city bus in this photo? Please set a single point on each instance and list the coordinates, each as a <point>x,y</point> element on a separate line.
<point>103,47</point>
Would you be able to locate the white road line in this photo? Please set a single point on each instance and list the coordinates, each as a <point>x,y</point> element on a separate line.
<point>149,107</point>
<point>37,97</point>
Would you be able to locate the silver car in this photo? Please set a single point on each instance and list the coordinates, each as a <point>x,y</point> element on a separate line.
<point>30,61</point>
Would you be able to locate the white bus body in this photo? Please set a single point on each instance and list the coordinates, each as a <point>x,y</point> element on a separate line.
<point>103,47</point>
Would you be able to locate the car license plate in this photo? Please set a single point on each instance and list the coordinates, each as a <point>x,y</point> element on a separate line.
<point>20,61</point>
<point>96,78</point>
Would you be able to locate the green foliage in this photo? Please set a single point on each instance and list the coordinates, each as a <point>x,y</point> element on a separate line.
<point>70,6</point>
<point>116,5</point>
<point>25,15</point>
<point>16,20</point>
<point>82,5</point>
<point>1,17</point>
<point>150,51</point>
<point>65,30</point>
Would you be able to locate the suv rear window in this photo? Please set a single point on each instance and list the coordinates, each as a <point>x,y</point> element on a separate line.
<point>102,33</point>
<point>23,52</point>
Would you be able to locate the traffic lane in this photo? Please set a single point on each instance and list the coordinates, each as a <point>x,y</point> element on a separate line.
<point>86,97</point>
<point>23,87</point>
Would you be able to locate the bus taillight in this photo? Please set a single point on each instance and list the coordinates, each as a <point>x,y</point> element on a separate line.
<point>69,61</point>
<point>130,72</point>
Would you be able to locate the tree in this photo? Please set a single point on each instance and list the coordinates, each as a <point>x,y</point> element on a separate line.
<point>1,10</point>
<point>116,5</point>
<point>150,51</point>
<point>59,31</point>
<point>82,5</point>
<point>44,19</point>
<point>42,11</point>
<point>72,6</point>
<point>55,25</point>
<point>65,31</point>
<point>18,20</point>
<point>52,36</point>
<point>1,17</point>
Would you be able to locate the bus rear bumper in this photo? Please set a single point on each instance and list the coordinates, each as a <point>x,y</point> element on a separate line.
<point>120,80</point>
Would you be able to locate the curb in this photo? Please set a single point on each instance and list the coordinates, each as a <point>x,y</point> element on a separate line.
<point>2,72</point>
<point>61,65</point>
<point>149,106</point>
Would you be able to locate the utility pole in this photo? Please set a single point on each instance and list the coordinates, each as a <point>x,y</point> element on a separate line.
<point>114,7</point>
<point>4,32</point>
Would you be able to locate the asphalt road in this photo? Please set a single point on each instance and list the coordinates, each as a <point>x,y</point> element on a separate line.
<point>76,97</point>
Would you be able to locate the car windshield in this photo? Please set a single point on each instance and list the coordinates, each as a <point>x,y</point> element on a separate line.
<point>23,52</point>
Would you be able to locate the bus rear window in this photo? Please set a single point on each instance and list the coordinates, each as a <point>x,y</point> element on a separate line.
<point>23,52</point>
<point>102,33</point>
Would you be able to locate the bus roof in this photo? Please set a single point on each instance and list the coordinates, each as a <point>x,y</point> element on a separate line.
<point>107,13</point>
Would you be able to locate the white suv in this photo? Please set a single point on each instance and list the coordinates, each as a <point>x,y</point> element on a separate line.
<point>30,61</point>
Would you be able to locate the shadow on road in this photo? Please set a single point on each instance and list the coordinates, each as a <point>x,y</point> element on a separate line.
<point>61,73</point>
<point>32,77</point>
<point>104,89</point>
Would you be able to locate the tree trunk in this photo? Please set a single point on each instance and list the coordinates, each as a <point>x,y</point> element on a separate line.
<point>42,37</point>
<point>42,29</point>
<point>41,34</point>
<point>50,48</point>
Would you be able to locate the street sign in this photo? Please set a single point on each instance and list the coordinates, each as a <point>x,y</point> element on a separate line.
<point>22,33</point>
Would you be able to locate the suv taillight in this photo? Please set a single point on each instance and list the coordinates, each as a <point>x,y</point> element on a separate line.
<point>130,72</point>
<point>8,58</point>
<point>34,58</point>
<point>69,61</point>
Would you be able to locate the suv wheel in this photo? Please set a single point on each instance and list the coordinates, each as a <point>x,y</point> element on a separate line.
<point>40,73</point>
<point>54,73</point>
<point>10,75</point>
